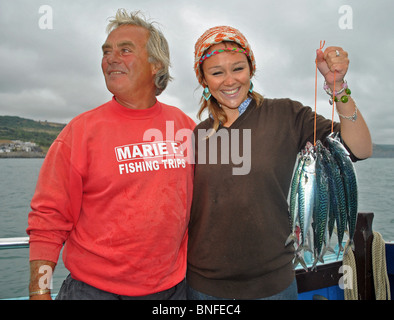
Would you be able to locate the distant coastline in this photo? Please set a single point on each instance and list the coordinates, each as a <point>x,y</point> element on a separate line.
<point>19,155</point>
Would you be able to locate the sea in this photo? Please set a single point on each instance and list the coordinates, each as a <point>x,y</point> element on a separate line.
<point>18,179</point>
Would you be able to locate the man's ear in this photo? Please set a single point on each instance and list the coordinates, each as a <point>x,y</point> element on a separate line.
<point>155,67</point>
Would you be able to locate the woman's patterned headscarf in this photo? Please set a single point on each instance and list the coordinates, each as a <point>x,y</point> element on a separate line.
<point>217,35</point>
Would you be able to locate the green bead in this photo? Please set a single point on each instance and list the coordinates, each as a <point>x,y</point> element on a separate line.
<point>344,99</point>
<point>336,99</point>
<point>347,90</point>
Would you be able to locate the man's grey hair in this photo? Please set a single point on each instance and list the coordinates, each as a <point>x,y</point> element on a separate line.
<point>157,45</point>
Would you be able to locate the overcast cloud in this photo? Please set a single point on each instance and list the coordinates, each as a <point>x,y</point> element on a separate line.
<point>55,74</point>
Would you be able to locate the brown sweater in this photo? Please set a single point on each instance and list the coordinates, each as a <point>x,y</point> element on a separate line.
<point>239,222</point>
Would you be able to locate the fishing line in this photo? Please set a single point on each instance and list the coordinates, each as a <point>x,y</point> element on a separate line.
<point>314,132</point>
<point>322,44</point>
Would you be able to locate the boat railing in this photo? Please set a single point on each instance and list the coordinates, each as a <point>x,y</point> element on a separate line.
<point>325,275</point>
<point>14,243</point>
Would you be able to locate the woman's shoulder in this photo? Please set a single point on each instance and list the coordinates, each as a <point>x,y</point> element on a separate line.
<point>279,106</point>
<point>205,124</point>
<point>281,102</point>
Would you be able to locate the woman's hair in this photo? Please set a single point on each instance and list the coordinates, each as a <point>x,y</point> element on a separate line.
<point>212,105</point>
<point>157,45</point>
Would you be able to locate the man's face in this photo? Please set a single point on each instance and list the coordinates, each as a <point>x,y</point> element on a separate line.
<point>125,62</point>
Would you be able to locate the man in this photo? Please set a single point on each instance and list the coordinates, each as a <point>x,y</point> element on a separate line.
<point>115,187</point>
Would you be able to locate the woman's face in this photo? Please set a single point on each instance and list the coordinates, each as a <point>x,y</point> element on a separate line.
<point>227,76</point>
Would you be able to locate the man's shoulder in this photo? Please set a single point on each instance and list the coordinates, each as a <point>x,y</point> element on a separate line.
<point>177,113</point>
<point>82,121</point>
<point>171,108</point>
<point>91,112</point>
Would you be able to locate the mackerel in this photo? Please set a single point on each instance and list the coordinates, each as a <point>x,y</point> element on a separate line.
<point>320,217</point>
<point>348,173</point>
<point>306,194</point>
<point>338,211</point>
<point>293,213</point>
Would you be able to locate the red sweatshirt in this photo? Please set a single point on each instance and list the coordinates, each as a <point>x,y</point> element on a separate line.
<point>116,189</point>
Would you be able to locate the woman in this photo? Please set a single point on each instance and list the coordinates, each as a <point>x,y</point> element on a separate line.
<point>239,220</point>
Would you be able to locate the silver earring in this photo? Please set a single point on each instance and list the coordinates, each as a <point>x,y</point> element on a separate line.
<point>251,86</point>
<point>206,93</point>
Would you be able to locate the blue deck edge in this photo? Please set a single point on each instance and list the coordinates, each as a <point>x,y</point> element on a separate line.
<point>330,293</point>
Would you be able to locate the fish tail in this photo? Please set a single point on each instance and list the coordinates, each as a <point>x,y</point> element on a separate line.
<point>300,260</point>
<point>340,249</point>
<point>349,245</point>
<point>292,238</point>
<point>314,264</point>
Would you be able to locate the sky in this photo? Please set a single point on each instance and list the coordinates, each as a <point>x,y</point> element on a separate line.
<point>50,52</point>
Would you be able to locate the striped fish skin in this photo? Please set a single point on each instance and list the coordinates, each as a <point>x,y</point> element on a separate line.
<point>320,217</point>
<point>338,210</point>
<point>301,202</point>
<point>306,196</point>
<point>293,210</point>
<point>348,173</point>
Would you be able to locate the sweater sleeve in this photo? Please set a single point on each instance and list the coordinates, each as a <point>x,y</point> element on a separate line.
<point>305,124</point>
<point>55,204</point>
